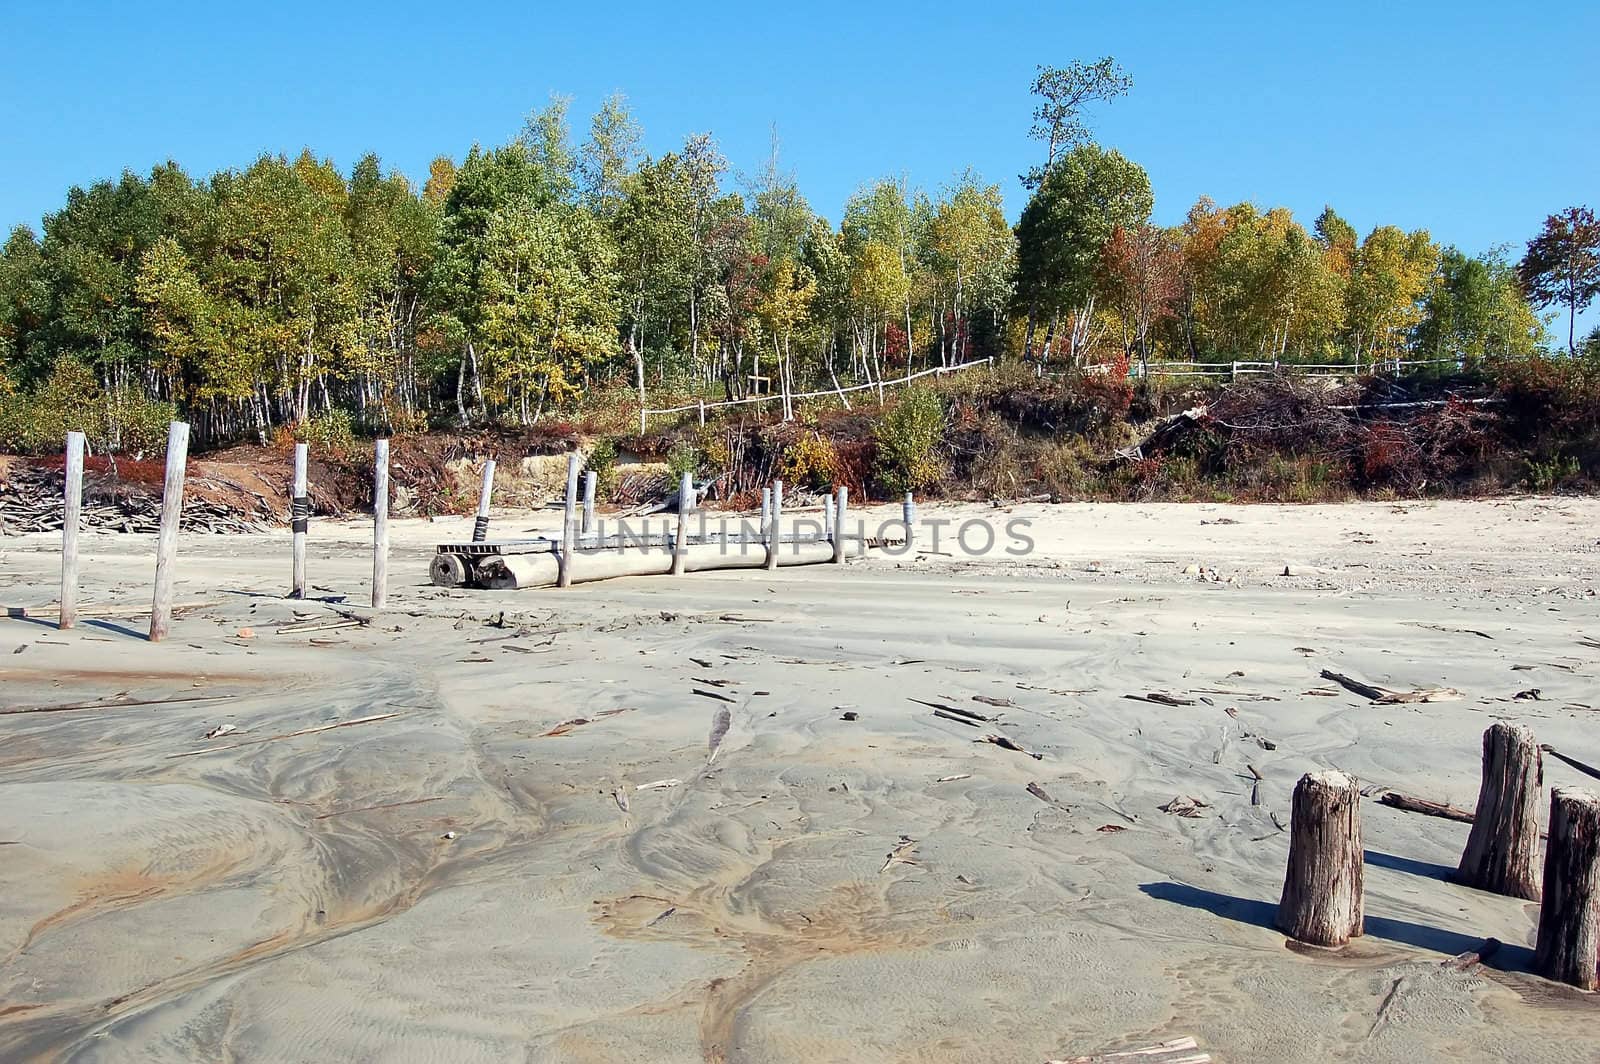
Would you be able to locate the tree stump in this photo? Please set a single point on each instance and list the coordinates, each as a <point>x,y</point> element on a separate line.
<point>1569,916</point>
<point>1322,889</point>
<point>1502,853</point>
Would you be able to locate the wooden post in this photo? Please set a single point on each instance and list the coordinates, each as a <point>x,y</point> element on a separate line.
<point>827,517</point>
<point>838,524</point>
<point>72,517</point>
<point>908,513</point>
<point>766,509</point>
<point>480,524</point>
<point>1569,915</point>
<point>1502,853</point>
<point>299,521</point>
<point>685,504</point>
<point>590,478</point>
<point>775,526</point>
<point>380,523</point>
<point>167,538</point>
<point>569,523</point>
<point>1322,889</point>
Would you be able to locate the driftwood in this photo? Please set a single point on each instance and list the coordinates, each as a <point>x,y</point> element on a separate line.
<point>1384,696</point>
<point>1161,699</point>
<point>91,609</point>
<point>1322,889</point>
<point>288,735</point>
<point>1502,853</point>
<point>1006,744</point>
<point>1422,805</point>
<point>577,722</point>
<point>967,716</point>
<point>74,707</point>
<point>1569,914</point>
<point>1462,962</point>
<point>1176,1051</point>
<point>1587,770</point>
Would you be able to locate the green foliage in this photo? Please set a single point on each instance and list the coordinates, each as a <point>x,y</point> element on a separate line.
<point>810,461</point>
<point>908,436</point>
<point>1549,474</point>
<point>602,462</point>
<point>330,431</point>
<point>683,457</point>
<point>70,399</point>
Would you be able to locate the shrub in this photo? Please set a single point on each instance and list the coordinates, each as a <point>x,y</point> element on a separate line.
<point>684,457</point>
<point>70,399</point>
<point>908,440</point>
<point>331,431</point>
<point>602,462</point>
<point>810,461</point>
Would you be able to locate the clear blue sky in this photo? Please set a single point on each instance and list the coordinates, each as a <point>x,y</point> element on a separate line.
<point>1473,120</point>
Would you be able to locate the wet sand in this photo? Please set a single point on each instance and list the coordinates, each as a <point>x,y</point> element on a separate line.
<point>472,876</point>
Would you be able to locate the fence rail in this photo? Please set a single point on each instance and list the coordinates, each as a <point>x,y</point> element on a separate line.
<point>1237,369</point>
<point>790,397</point>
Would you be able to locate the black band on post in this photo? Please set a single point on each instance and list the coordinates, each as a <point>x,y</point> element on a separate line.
<point>480,529</point>
<point>299,513</point>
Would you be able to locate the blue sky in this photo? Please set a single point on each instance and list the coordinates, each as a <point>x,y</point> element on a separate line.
<point>1472,120</point>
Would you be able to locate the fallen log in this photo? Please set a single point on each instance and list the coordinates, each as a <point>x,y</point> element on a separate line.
<point>1176,1051</point>
<point>1422,805</point>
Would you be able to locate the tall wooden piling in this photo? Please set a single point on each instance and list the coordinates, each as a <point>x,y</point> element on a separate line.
<point>775,526</point>
<point>480,523</point>
<point>167,538</point>
<point>680,542</point>
<point>1322,889</point>
<point>569,523</point>
<point>380,523</point>
<point>71,518</point>
<point>908,514</point>
<point>766,510</point>
<point>299,521</point>
<point>1569,914</point>
<point>838,524</point>
<point>590,477</point>
<point>1502,853</point>
<point>827,517</point>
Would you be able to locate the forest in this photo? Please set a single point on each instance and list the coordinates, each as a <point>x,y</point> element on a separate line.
<point>559,272</point>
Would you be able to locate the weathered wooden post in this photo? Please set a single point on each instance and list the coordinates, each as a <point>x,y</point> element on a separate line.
<point>590,478</point>
<point>380,523</point>
<point>299,521</point>
<point>1322,888</point>
<point>569,523</point>
<point>908,514</point>
<point>680,542</point>
<point>838,524</point>
<point>71,518</point>
<point>1502,853</point>
<point>1569,914</point>
<point>480,523</point>
<point>167,538</point>
<point>827,517</point>
<point>775,526</point>
<point>766,510</point>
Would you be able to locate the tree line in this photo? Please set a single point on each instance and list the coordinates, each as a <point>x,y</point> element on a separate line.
<point>522,279</point>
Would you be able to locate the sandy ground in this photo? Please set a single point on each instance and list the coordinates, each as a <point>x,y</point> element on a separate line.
<point>453,882</point>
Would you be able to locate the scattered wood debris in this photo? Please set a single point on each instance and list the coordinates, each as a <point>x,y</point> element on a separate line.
<point>1185,805</point>
<point>1043,796</point>
<point>621,798</point>
<point>1463,962</point>
<point>1451,631</point>
<point>850,715</point>
<point>999,703</point>
<point>320,625</point>
<point>289,735</point>
<point>1161,699</point>
<point>900,853</point>
<point>952,779</point>
<point>1384,696</point>
<point>655,785</point>
<point>577,722</point>
<point>1006,744</point>
<point>1110,829</point>
<point>1176,1051</point>
<point>714,694</point>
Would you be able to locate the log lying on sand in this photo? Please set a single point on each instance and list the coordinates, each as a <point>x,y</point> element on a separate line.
<point>1322,888</point>
<point>1176,1051</point>
<point>1502,853</point>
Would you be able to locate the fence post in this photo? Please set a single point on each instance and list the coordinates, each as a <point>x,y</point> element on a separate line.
<point>590,477</point>
<point>72,496</point>
<point>827,517</point>
<point>1322,888</point>
<point>838,524</point>
<point>775,526</point>
<point>766,510</point>
<point>1569,914</point>
<point>299,521</point>
<point>680,542</point>
<point>908,514</point>
<point>702,413</point>
<point>380,523</point>
<point>569,531</point>
<point>1502,851</point>
<point>480,524</point>
<point>167,538</point>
